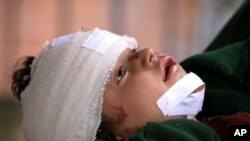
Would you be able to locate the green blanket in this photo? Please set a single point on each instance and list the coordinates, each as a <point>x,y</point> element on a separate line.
<point>226,74</point>
<point>176,130</point>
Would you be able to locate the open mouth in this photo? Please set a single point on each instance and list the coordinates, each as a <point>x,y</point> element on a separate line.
<point>166,73</point>
<point>169,68</point>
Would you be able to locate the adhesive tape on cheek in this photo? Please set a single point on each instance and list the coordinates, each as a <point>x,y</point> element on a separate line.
<point>179,99</point>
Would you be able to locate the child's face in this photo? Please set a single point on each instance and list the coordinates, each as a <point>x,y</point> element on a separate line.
<point>137,81</point>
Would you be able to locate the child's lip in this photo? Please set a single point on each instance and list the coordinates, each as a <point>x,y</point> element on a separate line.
<point>168,67</point>
<point>171,72</point>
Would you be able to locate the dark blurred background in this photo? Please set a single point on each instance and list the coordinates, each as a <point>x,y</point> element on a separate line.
<point>177,27</point>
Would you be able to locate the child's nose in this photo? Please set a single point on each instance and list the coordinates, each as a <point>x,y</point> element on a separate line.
<point>147,56</point>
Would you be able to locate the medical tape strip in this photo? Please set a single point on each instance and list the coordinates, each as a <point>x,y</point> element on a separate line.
<point>190,106</point>
<point>178,92</point>
<point>65,39</point>
<point>100,41</point>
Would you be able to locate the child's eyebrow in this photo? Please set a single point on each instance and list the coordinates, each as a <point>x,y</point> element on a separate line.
<point>126,53</point>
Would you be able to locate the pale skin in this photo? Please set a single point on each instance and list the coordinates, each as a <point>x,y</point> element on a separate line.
<point>139,78</point>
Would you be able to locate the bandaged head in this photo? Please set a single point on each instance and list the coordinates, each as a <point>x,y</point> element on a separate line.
<point>63,101</point>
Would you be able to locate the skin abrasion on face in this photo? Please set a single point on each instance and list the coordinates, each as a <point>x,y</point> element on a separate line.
<point>139,78</point>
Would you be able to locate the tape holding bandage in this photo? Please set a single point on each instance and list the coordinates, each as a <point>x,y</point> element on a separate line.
<point>65,39</point>
<point>180,99</point>
<point>100,41</point>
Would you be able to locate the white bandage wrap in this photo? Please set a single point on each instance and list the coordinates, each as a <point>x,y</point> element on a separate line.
<point>63,101</point>
<point>180,99</point>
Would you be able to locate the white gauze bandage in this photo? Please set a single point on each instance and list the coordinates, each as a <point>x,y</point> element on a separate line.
<point>180,99</point>
<point>63,101</point>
